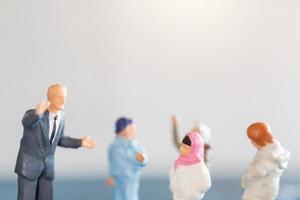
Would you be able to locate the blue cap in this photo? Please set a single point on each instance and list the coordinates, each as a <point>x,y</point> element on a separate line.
<point>122,123</point>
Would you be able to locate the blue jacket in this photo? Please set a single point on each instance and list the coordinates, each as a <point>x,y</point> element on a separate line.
<point>122,159</point>
<point>36,155</point>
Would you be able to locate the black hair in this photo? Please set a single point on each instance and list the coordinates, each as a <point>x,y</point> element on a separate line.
<point>186,140</point>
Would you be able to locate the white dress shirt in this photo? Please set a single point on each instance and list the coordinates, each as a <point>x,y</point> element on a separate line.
<point>51,123</point>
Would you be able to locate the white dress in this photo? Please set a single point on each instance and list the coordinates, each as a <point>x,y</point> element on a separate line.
<point>189,182</point>
<point>261,179</point>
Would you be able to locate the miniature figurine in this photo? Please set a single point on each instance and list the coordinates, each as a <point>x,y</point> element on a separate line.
<point>261,179</point>
<point>43,131</point>
<point>126,159</point>
<point>189,177</point>
<point>202,129</point>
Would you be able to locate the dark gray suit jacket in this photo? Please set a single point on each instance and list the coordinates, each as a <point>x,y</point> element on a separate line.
<point>36,155</point>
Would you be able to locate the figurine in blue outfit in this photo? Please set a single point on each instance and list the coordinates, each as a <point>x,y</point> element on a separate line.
<point>43,131</point>
<point>126,159</point>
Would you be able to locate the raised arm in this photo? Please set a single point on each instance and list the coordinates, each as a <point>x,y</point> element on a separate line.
<point>31,117</point>
<point>175,134</point>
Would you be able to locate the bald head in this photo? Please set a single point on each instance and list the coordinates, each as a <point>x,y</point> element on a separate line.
<point>57,96</point>
<point>53,89</point>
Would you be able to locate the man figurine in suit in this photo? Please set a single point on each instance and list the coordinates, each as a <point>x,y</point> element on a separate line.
<point>43,131</point>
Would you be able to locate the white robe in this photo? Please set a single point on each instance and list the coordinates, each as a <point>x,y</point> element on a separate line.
<point>261,179</point>
<point>189,182</point>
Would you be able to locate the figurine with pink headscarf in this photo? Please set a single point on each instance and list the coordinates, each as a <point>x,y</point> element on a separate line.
<point>189,177</point>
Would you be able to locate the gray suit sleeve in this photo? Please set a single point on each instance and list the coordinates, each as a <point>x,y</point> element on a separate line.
<point>30,118</point>
<point>68,142</point>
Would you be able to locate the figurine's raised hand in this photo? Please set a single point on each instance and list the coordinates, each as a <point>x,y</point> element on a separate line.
<point>88,143</point>
<point>174,120</point>
<point>110,181</point>
<point>140,157</point>
<point>42,107</point>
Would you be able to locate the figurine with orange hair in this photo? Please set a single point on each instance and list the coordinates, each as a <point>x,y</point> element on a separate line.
<point>261,179</point>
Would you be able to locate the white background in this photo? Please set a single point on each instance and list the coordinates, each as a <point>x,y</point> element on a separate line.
<point>225,62</point>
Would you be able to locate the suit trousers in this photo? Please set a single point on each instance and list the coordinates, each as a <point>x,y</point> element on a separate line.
<point>40,189</point>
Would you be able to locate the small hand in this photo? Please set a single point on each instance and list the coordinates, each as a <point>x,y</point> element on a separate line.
<point>110,181</point>
<point>42,107</point>
<point>140,157</point>
<point>88,143</point>
<point>174,120</point>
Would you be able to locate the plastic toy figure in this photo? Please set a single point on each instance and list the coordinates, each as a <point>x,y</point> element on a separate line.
<point>126,159</point>
<point>43,131</point>
<point>189,177</point>
<point>202,129</point>
<point>261,179</point>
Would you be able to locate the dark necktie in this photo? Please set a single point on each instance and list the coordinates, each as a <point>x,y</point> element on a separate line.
<point>53,130</point>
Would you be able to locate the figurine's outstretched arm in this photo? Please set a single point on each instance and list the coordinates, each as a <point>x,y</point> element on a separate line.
<point>69,142</point>
<point>88,143</point>
<point>175,134</point>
